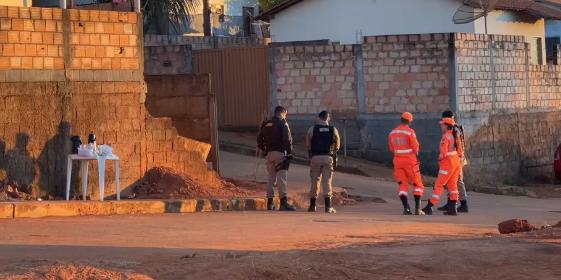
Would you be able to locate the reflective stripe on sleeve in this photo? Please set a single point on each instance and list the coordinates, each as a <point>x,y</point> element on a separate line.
<point>399,131</point>
<point>443,172</point>
<point>436,196</point>
<point>452,153</point>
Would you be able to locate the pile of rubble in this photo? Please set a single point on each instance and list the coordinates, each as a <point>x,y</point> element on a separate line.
<point>165,183</point>
<point>520,225</point>
<point>11,191</point>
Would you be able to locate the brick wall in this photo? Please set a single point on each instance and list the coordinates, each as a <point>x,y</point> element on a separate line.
<point>510,108</point>
<point>313,77</point>
<point>159,60</point>
<point>103,40</point>
<point>188,101</point>
<point>72,72</point>
<point>406,73</point>
<point>199,42</point>
<point>366,86</point>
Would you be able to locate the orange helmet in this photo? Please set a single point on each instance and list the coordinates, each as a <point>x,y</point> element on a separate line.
<point>407,116</point>
<point>448,121</point>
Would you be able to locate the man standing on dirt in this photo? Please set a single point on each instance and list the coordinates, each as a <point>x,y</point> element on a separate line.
<point>458,130</point>
<point>275,139</point>
<point>323,143</point>
<point>405,148</point>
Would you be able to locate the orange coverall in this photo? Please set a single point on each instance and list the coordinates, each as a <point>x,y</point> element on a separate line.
<point>450,168</point>
<point>405,147</point>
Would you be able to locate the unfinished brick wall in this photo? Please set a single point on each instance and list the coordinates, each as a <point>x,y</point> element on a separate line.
<point>366,86</point>
<point>510,108</point>
<point>168,60</point>
<point>189,102</point>
<point>31,38</point>
<point>491,72</point>
<point>84,76</point>
<point>315,77</point>
<point>200,42</point>
<point>103,40</point>
<point>406,73</point>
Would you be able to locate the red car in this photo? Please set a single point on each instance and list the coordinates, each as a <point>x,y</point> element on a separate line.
<point>557,163</point>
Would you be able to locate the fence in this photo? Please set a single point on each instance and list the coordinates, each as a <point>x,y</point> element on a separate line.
<point>240,80</point>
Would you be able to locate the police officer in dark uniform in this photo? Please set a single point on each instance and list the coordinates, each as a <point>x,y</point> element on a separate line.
<point>323,143</point>
<point>276,140</point>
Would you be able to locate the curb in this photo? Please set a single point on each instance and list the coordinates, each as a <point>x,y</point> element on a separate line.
<point>37,209</point>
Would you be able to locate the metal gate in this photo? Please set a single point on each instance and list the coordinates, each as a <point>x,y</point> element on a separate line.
<point>240,80</point>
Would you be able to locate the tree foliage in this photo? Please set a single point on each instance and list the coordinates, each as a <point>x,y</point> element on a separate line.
<point>163,14</point>
<point>268,4</point>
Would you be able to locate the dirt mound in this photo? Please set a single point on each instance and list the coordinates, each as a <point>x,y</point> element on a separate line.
<point>75,272</point>
<point>166,183</point>
<point>514,226</point>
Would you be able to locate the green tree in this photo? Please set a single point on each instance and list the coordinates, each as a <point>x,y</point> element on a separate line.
<point>268,4</point>
<point>163,14</point>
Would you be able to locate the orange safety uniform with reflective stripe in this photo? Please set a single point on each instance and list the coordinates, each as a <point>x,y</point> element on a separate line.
<point>450,167</point>
<point>405,147</point>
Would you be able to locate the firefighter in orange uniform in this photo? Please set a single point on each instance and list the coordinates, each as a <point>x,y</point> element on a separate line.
<point>405,147</point>
<point>450,167</point>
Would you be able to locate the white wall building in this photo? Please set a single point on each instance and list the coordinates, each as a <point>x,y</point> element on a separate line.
<point>347,21</point>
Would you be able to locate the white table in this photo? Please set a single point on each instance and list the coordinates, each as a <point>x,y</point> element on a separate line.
<point>84,163</point>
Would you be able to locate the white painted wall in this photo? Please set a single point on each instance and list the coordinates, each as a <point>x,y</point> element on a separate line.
<point>340,20</point>
<point>511,23</point>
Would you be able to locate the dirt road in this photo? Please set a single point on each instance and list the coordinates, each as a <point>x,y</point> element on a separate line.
<point>365,241</point>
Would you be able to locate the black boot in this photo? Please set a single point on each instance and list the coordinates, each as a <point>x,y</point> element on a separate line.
<point>418,210</point>
<point>428,209</point>
<point>328,208</point>
<point>451,209</point>
<point>444,207</point>
<point>312,207</point>
<point>406,207</point>
<point>463,207</point>
<point>270,204</point>
<point>284,206</point>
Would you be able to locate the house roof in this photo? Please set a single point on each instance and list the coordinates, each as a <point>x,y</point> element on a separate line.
<point>538,8</point>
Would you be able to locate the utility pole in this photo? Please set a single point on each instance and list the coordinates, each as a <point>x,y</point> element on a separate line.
<point>206,18</point>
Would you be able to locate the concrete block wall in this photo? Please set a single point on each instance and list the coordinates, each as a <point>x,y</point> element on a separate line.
<point>104,40</point>
<point>84,76</point>
<point>313,77</point>
<point>406,73</point>
<point>200,42</point>
<point>366,86</point>
<point>31,38</point>
<point>491,72</point>
<point>510,108</point>
<point>169,60</point>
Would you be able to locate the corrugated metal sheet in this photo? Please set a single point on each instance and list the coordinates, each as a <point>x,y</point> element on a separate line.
<point>239,78</point>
